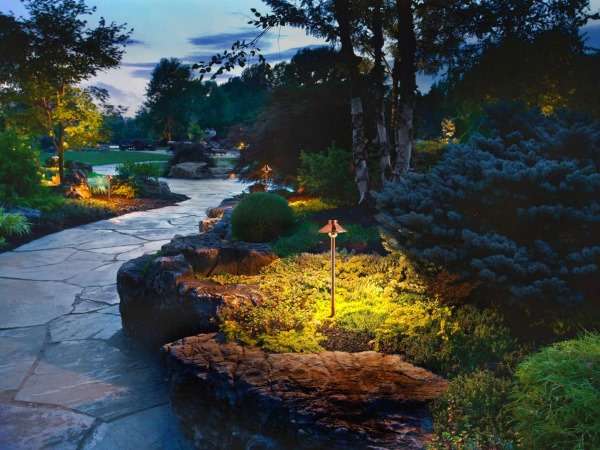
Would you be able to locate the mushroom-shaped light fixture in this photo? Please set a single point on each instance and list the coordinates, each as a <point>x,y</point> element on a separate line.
<point>332,229</point>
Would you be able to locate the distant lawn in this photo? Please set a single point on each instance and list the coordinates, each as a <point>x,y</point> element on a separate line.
<point>110,157</point>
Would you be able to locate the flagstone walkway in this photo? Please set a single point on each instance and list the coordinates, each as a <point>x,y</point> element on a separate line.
<point>69,378</point>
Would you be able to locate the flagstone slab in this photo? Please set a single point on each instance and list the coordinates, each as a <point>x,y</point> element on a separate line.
<point>19,349</point>
<point>72,237</point>
<point>108,238</point>
<point>99,276</point>
<point>25,303</point>
<point>87,306</point>
<point>93,325</point>
<point>116,250</point>
<point>35,258</point>
<point>158,234</point>
<point>76,263</point>
<point>103,294</point>
<point>157,428</point>
<point>96,378</point>
<point>29,427</point>
<point>148,248</point>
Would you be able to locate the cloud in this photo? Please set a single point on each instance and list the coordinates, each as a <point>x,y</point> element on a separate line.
<point>113,91</point>
<point>222,41</point>
<point>146,74</point>
<point>142,65</point>
<point>288,54</point>
<point>142,69</point>
<point>132,41</point>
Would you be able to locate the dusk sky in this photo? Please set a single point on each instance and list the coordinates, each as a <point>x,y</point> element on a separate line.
<point>189,30</point>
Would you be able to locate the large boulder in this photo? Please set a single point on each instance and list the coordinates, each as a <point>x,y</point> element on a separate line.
<point>190,170</point>
<point>209,254</point>
<point>152,188</point>
<point>229,396</point>
<point>161,300</point>
<point>81,166</point>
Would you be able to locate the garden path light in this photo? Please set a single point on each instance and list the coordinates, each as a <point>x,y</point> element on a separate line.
<point>333,228</point>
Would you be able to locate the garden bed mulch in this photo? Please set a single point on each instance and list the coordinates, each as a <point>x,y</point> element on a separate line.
<point>104,209</point>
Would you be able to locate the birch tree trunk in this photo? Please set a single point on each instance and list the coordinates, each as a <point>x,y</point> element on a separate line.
<point>59,145</point>
<point>351,61</point>
<point>378,75</point>
<point>407,46</point>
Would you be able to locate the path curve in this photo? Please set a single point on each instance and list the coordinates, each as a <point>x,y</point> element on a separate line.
<point>69,378</point>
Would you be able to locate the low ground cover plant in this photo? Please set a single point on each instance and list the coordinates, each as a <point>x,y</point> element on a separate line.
<point>473,414</point>
<point>380,297</point>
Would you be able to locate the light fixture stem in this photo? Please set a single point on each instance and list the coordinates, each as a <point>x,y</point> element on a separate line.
<point>332,274</point>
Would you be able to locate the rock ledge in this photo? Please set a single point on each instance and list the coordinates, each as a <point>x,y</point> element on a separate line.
<point>229,396</point>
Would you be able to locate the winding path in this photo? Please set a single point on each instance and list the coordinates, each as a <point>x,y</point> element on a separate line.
<point>69,378</point>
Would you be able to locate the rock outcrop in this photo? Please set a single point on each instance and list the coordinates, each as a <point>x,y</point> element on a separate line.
<point>165,297</point>
<point>229,396</point>
<point>208,254</point>
<point>161,300</point>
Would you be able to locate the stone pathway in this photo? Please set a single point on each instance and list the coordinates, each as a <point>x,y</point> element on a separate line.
<point>69,377</point>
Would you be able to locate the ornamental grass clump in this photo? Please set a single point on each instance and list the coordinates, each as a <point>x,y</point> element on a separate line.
<point>12,225</point>
<point>515,208</point>
<point>556,399</point>
<point>261,217</point>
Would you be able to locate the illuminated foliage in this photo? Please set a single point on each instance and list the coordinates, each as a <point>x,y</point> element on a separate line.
<point>382,298</point>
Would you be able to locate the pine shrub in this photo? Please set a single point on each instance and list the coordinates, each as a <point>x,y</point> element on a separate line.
<point>516,207</point>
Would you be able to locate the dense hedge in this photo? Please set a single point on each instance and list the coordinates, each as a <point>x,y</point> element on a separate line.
<point>261,217</point>
<point>517,207</point>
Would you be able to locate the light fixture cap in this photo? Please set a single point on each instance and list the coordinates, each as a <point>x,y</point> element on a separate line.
<point>332,227</point>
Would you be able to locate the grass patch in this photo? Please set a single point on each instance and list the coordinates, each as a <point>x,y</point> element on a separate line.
<point>305,237</point>
<point>306,206</point>
<point>96,158</point>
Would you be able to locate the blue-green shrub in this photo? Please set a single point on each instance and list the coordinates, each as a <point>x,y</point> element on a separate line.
<point>518,209</point>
